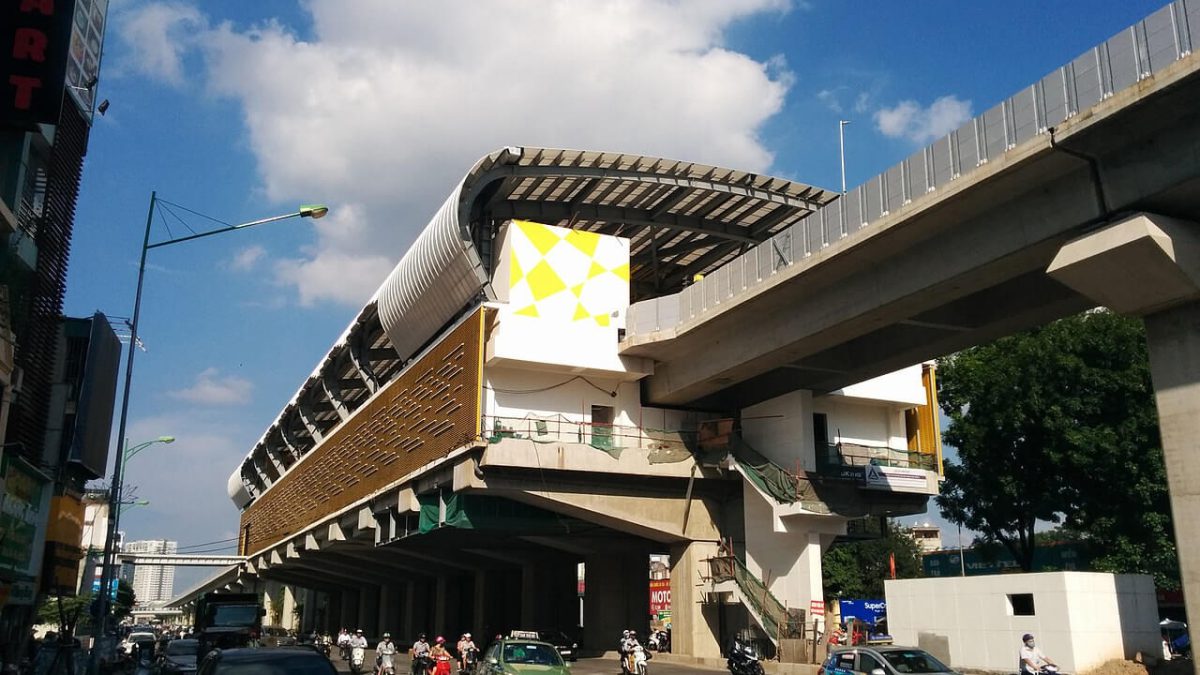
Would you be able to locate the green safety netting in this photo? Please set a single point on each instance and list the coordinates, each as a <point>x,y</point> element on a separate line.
<point>484,512</point>
<point>777,619</point>
<point>768,476</point>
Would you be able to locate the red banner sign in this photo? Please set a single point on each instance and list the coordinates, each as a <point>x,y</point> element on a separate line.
<point>660,595</point>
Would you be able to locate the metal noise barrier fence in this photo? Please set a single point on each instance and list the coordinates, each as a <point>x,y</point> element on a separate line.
<point>1136,53</point>
<point>780,622</point>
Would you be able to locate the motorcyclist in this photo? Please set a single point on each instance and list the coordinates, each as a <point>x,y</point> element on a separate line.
<point>358,640</point>
<point>384,652</point>
<point>343,643</point>
<point>631,642</point>
<point>420,649</point>
<point>465,646</point>
<point>441,657</point>
<point>623,649</point>
<point>1032,660</point>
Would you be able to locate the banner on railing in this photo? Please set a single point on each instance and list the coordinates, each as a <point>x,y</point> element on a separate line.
<point>896,479</point>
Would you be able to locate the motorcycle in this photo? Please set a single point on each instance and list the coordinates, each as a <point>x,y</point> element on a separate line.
<point>744,660</point>
<point>470,659</point>
<point>640,657</point>
<point>421,664</point>
<point>443,665</point>
<point>356,659</point>
<point>660,641</point>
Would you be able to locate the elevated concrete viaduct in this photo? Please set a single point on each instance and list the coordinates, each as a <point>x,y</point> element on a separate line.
<point>957,267</point>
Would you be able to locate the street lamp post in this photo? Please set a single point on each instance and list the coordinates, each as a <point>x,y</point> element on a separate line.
<point>106,579</point>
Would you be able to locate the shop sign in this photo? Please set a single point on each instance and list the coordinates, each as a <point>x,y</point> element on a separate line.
<point>20,514</point>
<point>34,38</point>
<point>896,479</point>
<point>660,595</point>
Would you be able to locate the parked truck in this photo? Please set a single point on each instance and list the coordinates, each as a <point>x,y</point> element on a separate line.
<point>228,620</point>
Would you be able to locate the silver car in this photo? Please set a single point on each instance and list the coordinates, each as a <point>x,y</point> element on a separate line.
<point>881,660</point>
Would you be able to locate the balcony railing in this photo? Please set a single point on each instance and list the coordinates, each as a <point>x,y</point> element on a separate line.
<point>834,457</point>
<point>664,445</point>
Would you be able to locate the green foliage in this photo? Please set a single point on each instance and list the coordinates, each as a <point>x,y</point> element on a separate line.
<point>74,609</point>
<point>858,568</point>
<point>1058,425</point>
<point>125,599</point>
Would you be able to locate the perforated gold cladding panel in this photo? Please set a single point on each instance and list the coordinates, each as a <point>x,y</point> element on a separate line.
<point>432,408</point>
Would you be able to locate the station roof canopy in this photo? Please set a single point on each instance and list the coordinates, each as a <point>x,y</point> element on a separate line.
<point>682,218</point>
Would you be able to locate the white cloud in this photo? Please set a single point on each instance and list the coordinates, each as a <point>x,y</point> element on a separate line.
<point>829,99</point>
<point>862,102</point>
<point>158,35</point>
<point>922,125</point>
<point>245,259</point>
<point>391,103</point>
<point>211,388</point>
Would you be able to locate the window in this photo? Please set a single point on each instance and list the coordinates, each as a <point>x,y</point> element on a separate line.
<point>867,663</point>
<point>602,419</point>
<point>1020,604</point>
<point>914,661</point>
<point>821,439</point>
<point>845,661</point>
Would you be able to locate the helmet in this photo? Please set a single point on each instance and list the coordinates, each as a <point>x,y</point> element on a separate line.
<point>421,636</point>
<point>440,640</point>
<point>387,635</point>
<point>467,635</point>
<point>358,631</point>
<point>625,633</point>
<point>1027,637</point>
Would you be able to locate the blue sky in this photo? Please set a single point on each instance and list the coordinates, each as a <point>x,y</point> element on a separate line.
<point>241,110</point>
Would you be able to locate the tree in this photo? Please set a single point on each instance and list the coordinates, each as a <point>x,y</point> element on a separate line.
<point>65,612</point>
<point>1058,425</point>
<point>858,568</point>
<point>126,598</point>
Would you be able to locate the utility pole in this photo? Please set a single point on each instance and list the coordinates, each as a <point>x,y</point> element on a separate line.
<point>842,144</point>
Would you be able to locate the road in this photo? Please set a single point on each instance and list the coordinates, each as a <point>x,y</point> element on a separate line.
<point>581,667</point>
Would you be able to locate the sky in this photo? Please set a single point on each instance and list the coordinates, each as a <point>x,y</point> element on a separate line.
<point>241,110</point>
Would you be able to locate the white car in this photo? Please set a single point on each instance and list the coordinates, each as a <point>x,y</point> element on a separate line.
<point>131,641</point>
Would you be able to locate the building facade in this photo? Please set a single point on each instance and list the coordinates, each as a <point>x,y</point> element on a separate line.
<point>484,426</point>
<point>152,584</point>
<point>49,67</point>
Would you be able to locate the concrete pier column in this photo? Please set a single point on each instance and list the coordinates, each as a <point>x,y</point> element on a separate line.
<point>479,605</point>
<point>695,625</point>
<point>408,626</point>
<point>1149,265</point>
<point>368,611</point>
<point>616,597</point>
<point>389,610</point>
<point>1174,341</point>
<point>440,596</point>
<point>349,609</point>
<point>290,620</point>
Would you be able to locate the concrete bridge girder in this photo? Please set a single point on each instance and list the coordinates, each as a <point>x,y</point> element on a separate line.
<point>888,288</point>
<point>658,517</point>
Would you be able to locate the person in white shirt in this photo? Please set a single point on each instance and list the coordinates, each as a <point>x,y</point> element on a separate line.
<point>358,640</point>
<point>1032,658</point>
<point>384,653</point>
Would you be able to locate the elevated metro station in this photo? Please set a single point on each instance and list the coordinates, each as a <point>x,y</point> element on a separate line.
<point>591,357</point>
<point>477,433</point>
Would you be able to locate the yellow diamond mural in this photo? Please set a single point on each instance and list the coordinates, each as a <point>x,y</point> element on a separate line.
<point>555,273</point>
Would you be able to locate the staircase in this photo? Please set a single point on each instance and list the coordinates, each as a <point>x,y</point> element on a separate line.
<point>729,575</point>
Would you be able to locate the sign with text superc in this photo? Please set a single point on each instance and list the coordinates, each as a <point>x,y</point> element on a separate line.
<point>34,40</point>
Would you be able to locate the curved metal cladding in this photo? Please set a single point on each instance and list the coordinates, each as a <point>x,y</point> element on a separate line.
<point>237,489</point>
<point>442,272</point>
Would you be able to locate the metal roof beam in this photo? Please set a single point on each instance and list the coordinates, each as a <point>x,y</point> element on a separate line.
<point>556,212</point>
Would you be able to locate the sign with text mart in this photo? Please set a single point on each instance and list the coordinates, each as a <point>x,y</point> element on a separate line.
<point>35,37</point>
<point>895,479</point>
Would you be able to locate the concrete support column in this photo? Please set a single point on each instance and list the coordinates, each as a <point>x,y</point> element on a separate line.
<point>290,620</point>
<point>440,598</point>
<point>368,611</point>
<point>617,596</point>
<point>1174,341</point>
<point>389,610</point>
<point>479,606</point>
<point>349,609</point>
<point>407,619</point>
<point>695,624</point>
